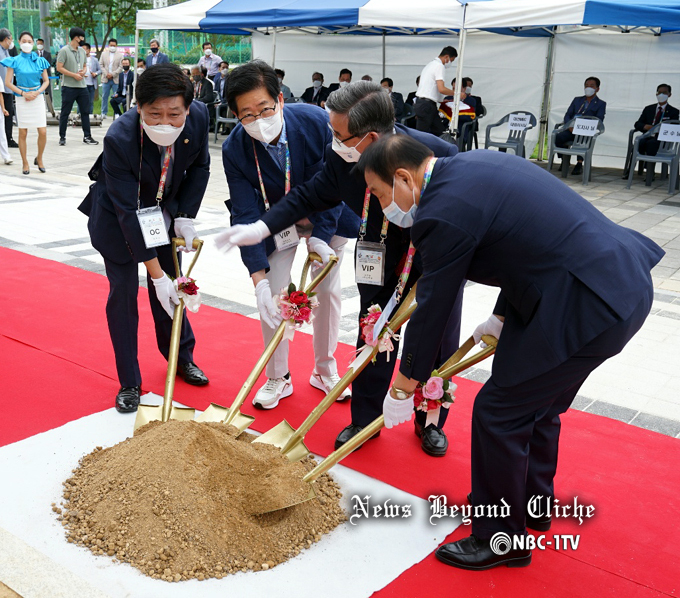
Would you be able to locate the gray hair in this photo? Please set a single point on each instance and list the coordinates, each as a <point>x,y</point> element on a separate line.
<point>155,40</point>
<point>367,106</point>
<point>4,34</point>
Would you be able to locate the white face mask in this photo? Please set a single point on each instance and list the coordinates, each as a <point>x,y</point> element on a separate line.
<point>224,72</point>
<point>140,70</point>
<point>113,49</point>
<point>344,83</point>
<point>448,64</point>
<point>208,52</point>
<point>266,129</point>
<point>468,90</point>
<point>26,47</point>
<point>348,154</point>
<point>316,83</point>
<point>11,46</point>
<point>163,134</point>
<point>589,91</point>
<point>661,97</point>
<point>280,81</point>
<point>396,215</point>
<point>40,46</point>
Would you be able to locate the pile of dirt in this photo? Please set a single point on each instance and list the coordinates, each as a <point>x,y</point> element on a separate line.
<point>176,501</point>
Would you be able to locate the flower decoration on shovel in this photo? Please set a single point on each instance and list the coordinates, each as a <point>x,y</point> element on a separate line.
<point>188,291</point>
<point>384,339</point>
<point>297,308</point>
<point>435,393</point>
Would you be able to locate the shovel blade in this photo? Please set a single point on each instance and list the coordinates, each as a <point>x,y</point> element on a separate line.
<point>277,507</point>
<point>279,436</point>
<point>217,413</point>
<point>150,413</point>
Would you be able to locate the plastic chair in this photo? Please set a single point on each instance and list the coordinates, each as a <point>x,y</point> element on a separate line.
<point>515,140</point>
<point>409,112</point>
<point>481,115</point>
<point>582,146</point>
<point>668,155</point>
<point>292,100</point>
<point>629,154</point>
<point>227,119</point>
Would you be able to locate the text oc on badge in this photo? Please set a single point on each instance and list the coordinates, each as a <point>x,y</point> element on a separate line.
<point>152,223</point>
<point>370,263</point>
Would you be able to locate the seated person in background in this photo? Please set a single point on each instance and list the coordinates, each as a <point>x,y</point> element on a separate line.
<point>585,105</point>
<point>204,90</point>
<point>344,79</point>
<point>465,115</point>
<point>317,93</point>
<point>285,90</point>
<point>124,91</point>
<point>652,115</point>
<point>221,81</point>
<point>411,99</point>
<point>367,78</point>
<point>395,96</point>
<point>478,101</point>
<point>141,66</point>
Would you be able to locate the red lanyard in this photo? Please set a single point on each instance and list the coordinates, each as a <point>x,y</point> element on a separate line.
<point>164,170</point>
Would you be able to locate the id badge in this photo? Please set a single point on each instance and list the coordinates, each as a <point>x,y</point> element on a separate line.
<point>286,238</point>
<point>370,263</point>
<point>152,223</point>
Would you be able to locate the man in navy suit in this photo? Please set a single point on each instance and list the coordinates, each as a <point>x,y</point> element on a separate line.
<point>156,56</point>
<point>124,91</point>
<point>276,149</point>
<point>574,289</point>
<point>359,114</point>
<point>652,115</point>
<point>317,93</point>
<point>174,141</point>
<point>586,105</point>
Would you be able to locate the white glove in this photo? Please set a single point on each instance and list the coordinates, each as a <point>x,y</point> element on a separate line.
<point>322,248</point>
<point>166,293</point>
<point>397,411</point>
<point>184,227</point>
<point>492,326</point>
<point>242,234</point>
<point>265,304</point>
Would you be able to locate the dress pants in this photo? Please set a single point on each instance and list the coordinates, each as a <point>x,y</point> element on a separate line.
<point>9,106</point>
<point>326,321</point>
<point>4,149</point>
<point>564,139</point>
<point>427,117</point>
<point>123,318</point>
<point>515,430</point>
<point>371,385</point>
<point>649,146</point>
<point>79,95</point>
<point>116,104</point>
<point>108,86</point>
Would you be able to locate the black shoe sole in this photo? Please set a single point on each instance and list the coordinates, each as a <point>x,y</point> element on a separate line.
<point>337,445</point>
<point>193,382</point>
<point>121,410</point>
<point>523,561</point>
<point>434,453</point>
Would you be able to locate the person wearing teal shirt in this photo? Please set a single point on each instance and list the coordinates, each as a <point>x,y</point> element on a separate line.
<point>30,71</point>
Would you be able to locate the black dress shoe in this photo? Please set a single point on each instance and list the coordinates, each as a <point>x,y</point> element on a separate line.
<point>433,440</point>
<point>578,169</point>
<point>475,554</point>
<point>192,374</point>
<point>350,432</point>
<point>62,140</point>
<point>40,168</point>
<point>537,524</point>
<point>127,399</point>
<point>90,141</point>
<point>12,143</point>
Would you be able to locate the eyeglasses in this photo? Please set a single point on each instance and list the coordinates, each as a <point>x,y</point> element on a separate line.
<point>338,138</point>
<point>251,118</point>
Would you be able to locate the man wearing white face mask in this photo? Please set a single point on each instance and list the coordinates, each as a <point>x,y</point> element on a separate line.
<point>210,61</point>
<point>154,157</point>
<point>432,90</point>
<point>652,115</point>
<point>317,93</point>
<point>360,114</point>
<point>344,80</point>
<point>588,104</point>
<point>285,90</point>
<point>275,150</point>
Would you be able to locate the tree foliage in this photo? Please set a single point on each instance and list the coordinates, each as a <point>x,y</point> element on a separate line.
<point>91,15</point>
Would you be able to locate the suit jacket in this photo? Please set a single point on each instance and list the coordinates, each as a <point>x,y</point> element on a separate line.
<point>46,55</point>
<point>116,67</point>
<point>565,271</point>
<point>129,80</point>
<point>596,107</point>
<point>332,87</point>
<point>206,92</point>
<point>649,114</point>
<point>410,98</point>
<point>221,85</point>
<point>398,103</point>
<point>478,105</point>
<point>111,203</point>
<point>308,134</point>
<point>160,60</point>
<point>322,96</point>
<point>339,181</point>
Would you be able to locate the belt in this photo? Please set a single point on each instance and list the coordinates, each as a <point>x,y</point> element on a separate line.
<point>427,100</point>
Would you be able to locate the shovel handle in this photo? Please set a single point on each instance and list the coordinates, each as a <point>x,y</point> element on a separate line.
<point>180,242</point>
<point>275,341</point>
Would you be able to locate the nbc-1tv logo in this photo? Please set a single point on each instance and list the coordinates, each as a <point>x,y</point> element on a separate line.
<point>502,543</point>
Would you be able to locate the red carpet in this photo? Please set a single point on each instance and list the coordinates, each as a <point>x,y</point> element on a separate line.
<point>59,367</point>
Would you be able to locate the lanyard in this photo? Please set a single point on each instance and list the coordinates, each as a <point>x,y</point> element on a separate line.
<point>364,220</point>
<point>164,171</point>
<point>403,277</point>
<point>259,175</point>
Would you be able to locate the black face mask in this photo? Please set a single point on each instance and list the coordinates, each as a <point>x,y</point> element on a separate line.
<point>154,50</point>
<point>126,68</point>
<point>196,78</point>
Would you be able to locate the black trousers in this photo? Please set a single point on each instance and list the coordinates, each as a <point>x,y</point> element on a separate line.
<point>9,122</point>
<point>649,146</point>
<point>69,96</point>
<point>371,385</point>
<point>564,139</point>
<point>117,103</point>
<point>123,318</point>
<point>516,430</point>
<point>427,117</point>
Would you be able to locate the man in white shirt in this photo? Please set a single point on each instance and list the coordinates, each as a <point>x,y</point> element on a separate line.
<point>92,71</point>
<point>210,61</point>
<point>431,91</point>
<point>110,64</point>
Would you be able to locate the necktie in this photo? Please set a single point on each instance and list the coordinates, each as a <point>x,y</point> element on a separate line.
<point>659,114</point>
<point>281,156</point>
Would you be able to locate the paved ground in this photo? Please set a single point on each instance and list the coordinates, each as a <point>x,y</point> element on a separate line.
<point>641,386</point>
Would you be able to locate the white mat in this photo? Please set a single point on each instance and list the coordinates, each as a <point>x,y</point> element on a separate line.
<point>351,561</point>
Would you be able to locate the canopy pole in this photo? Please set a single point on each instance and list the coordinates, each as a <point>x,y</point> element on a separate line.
<point>383,54</point>
<point>134,74</point>
<point>274,49</point>
<point>459,80</point>
<point>547,95</point>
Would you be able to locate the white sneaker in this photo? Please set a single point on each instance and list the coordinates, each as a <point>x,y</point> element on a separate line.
<point>327,383</point>
<point>8,162</point>
<point>272,392</point>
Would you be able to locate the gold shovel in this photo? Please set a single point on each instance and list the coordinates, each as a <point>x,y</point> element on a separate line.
<point>232,415</point>
<point>453,366</point>
<point>166,411</point>
<point>291,441</point>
